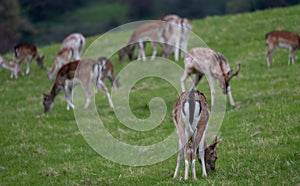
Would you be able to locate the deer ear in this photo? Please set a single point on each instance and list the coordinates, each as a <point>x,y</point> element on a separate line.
<point>215,143</point>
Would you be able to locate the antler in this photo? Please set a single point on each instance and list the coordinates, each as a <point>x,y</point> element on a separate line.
<point>236,73</point>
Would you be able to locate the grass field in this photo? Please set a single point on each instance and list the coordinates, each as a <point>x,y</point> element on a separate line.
<point>260,139</point>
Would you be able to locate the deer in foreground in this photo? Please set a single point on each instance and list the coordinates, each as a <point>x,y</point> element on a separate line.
<point>62,57</point>
<point>85,72</point>
<point>9,66</point>
<point>108,72</point>
<point>282,39</point>
<point>26,52</point>
<point>190,116</point>
<point>76,41</point>
<point>153,31</point>
<point>204,61</point>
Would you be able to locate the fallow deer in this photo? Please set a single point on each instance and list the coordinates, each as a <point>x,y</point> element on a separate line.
<point>190,116</point>
<point>62,57</point>
<point>85,72</point>
<point>282,39</point>
<point>108,72</point>
<point>76,41</point>
<point>26,52</point>
<point>204,61</point>
<point>177,38</point>
<point>9,66</point>
<point>154,32</point>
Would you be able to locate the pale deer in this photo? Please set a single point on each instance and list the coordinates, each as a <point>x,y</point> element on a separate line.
<point>153,31</point>
<point>76,41</point>
<point>84,72</point>
<point>282,39</point>
<point>62,57</point>
<point>173,36</point>
<point>108,72</point>
<point>204,61</point>
<point>9,66</point>
<point>190,116</point>
<point>177,38</point>
<point>26,52</point>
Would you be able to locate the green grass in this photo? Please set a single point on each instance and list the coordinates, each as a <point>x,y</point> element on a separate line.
<point>260,140</point>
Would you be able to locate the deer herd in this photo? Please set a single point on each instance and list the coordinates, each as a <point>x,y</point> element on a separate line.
<point>191,111</point>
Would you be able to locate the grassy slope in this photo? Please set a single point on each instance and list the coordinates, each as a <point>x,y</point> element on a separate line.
<point>49,150</point>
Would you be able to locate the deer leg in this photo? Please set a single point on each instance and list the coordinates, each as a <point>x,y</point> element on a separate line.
<point>104,89</point>
<point>212,89</point>
<point>201,154</point>
<point>154,50</point>
<point>183,78</point>
<point>179,158</point>
<point>142,51</point>
<point>198,77</point>
<point>28,65</point>
<point>186,161</point>
<point>67,98</point>
<point>230,96</point>
<point>291,57</point>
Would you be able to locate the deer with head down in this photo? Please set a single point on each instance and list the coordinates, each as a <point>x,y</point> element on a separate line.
<point>154,32</point>
<point>204,61</point>
<point>190,116</point>
<point>26,52</point>
<point>282,39</point>
<point>84,72</point>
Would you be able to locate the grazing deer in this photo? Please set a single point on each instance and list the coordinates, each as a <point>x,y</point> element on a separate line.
<point>108,72</point>
<point>9,66</point>
<point>153,31</point>
<point>62,57</point>
<point>87,71</point>
<point>282,39</point>
<point>190,116</point>
<point>76,41</point>
<point>26,52</point>
<point>204,61</point>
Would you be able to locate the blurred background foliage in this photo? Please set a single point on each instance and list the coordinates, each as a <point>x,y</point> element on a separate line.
<point>49,21</point>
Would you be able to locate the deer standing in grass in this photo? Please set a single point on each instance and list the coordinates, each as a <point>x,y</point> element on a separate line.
<point>190,116</point>
<point>154,32</point>
<point>62,57</point>
<point>204,61</point>
<point>84,72</point>
<point>282,39</point>
<point>177,38</point>
<point>76,41</point>
<point>26,52</point>
<point>9,66</point>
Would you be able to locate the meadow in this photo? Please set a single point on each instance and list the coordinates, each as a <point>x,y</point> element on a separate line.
<point>260,138</point>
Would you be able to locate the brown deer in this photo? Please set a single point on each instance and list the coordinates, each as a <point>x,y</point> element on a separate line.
<point>26,52</point>
<point>282,39</point>
<point>153,31</point>
<point>62,57</point>
<point>204,61</point>
<point>190,116</point>
<point>85,72</point>
<point>76,41</point>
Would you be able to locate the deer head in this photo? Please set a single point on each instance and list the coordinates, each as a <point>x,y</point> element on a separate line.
<point>40,61</point>
<point>47,102</point>
<point>210,156</point>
